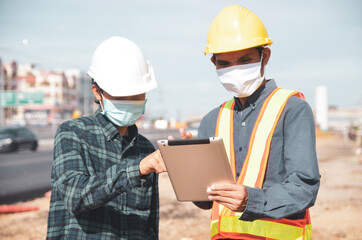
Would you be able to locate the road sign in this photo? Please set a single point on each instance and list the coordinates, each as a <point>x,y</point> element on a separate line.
<point>7,98</point>
<point>30,97</point>
<point>15,98</point>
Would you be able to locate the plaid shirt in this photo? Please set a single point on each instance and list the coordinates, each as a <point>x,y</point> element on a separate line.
<point>97,191</point>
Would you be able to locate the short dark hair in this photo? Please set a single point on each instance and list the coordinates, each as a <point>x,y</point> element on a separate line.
<point>95,84</point>
<point>260,50</point>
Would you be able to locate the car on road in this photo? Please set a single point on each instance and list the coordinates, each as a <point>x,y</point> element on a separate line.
<point>13,138</point>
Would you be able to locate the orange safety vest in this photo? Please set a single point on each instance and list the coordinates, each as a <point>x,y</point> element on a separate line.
<point>224,222</point>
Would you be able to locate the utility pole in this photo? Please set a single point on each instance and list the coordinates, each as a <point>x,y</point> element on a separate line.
<point>2,87</point>
<point>86,95</point>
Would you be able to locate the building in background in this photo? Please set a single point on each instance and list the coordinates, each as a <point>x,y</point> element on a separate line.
<point>58,94</point>
<point>8,73</point>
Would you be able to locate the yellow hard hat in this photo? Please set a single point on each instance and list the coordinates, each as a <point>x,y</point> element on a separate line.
<point>236,28</point>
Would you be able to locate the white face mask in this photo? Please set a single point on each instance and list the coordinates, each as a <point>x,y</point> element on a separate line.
<point>241,80</point>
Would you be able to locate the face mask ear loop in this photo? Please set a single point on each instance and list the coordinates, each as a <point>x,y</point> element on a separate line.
<point>144,107</point>
<point>261,65</point>
<point>101,102</point>
<point>261,59</point>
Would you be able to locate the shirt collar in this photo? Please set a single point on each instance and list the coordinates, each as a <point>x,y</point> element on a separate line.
<point>259,95</point>
<point>110,130</point>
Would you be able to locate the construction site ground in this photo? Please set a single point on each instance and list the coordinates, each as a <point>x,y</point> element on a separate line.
<point>336,215</point>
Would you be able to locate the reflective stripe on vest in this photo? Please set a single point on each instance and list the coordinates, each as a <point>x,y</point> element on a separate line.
<point>224,222</point>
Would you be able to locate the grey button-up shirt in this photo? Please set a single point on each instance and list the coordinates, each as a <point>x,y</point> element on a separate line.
<point>292,176</point>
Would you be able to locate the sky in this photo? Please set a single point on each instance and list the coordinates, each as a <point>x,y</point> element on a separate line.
<point>315,43</point>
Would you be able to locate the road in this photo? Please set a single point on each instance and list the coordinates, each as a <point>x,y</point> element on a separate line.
<point>25,174</point>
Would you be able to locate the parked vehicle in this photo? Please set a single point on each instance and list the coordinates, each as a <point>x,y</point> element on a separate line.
<point>13,138</point>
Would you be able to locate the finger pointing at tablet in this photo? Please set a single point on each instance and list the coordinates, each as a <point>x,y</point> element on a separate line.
<point>152,163</point>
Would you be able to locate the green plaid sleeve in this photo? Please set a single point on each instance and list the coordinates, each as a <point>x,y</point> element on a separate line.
<point>78,187</point>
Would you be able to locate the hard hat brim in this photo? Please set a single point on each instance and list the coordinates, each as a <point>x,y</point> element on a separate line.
<point>122,92</point>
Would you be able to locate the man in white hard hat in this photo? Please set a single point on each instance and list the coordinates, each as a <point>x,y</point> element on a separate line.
<point>104,181</point>
<point>269,136</point>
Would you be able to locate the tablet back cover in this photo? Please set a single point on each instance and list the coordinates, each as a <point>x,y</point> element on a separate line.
<point>193,165</point>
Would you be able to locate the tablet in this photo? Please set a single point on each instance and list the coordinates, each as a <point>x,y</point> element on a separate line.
<point>193,165</point>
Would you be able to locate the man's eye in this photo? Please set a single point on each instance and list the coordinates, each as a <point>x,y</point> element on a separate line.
<point>245,60</point>
<point>223,64</point>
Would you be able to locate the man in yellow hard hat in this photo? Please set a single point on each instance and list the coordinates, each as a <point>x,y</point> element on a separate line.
<point>104,181</point>
<point>269,136</point>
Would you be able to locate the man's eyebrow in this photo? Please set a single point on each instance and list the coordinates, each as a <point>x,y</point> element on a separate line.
<point>222,61</point>
<point>248,55</point>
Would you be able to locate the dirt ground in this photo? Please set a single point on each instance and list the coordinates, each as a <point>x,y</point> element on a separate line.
<point>335,215</point>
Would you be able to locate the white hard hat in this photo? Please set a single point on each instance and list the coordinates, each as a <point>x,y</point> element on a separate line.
<point>120,68</point>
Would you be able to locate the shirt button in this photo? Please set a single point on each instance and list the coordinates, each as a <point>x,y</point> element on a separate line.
<point>109,137</point>
<point>240,148</point>
<point>243,124</point>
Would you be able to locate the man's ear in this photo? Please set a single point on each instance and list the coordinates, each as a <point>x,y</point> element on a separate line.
<point>213,59</point>
<point>266,56</point>
<point>97,93</point>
